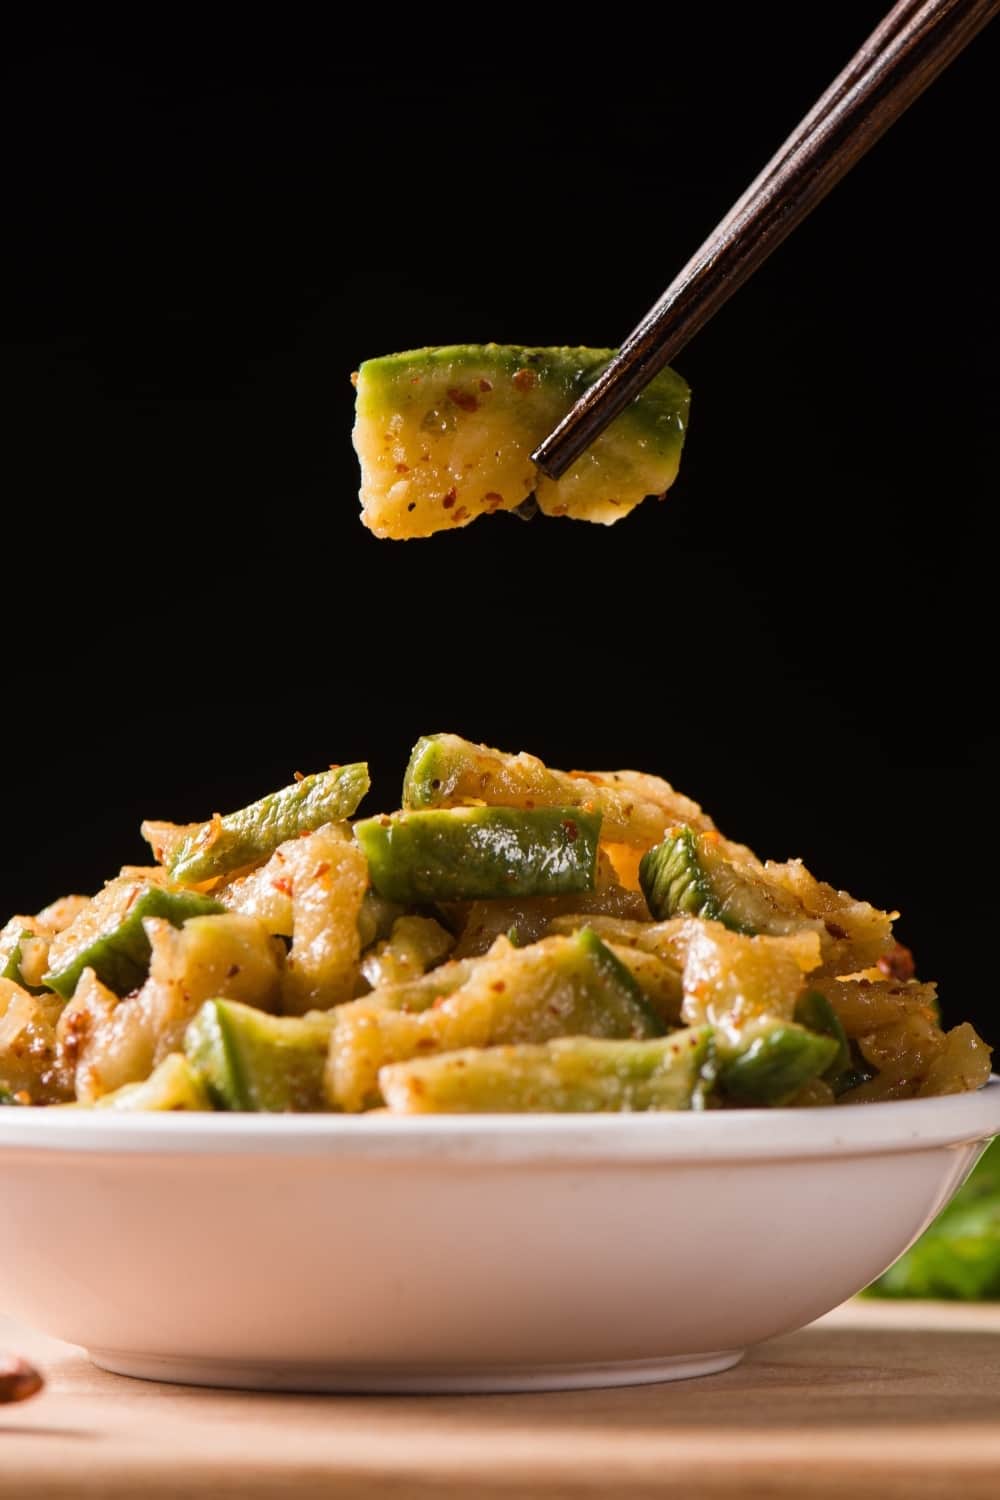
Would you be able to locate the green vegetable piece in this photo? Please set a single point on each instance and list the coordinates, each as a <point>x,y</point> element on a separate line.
<point>958,1257</point>
<point>10,956</point>
<point>246,837</point>
<point>437,770</point>
<point>858,1073</point>
<point>173,1085</point>
<point>470,853</point>
<point>775,1063</point>
<point>249,1060</point>
<point>815,1012</point>
<point>446,771</point>
<point>445,435</point>
<point>23,955</point>
<point>673,881</point>
<point>109,937</point>
<point>571,1074</point>
<point>623,990</point>
<point>687,874</point>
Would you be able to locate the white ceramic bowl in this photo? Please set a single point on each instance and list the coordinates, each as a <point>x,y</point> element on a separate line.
<point>475,1253</point>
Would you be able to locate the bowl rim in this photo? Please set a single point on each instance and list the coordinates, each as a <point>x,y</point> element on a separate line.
<point>717,1136</point>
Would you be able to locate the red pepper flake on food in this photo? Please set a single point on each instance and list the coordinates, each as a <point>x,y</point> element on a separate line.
<point>560,510</point>
<point>459,515</point>
<point>412,505</point>
<point>572,831</point>
<point>449,499</point>
<point>898,962</point>
<point>525,380</point>
<point>402,468</point>
<point>232,971</point>
<point>321,869</point>
<point>283,884</point>
<point>298,776</point>
<point>493,500</point>
<point>464,399</point>
<point>498,985</point>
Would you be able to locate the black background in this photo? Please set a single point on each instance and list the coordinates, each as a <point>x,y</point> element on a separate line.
<point>209,232</point>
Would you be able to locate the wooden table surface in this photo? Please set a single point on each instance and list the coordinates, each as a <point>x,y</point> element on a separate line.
<point>887,1400</point>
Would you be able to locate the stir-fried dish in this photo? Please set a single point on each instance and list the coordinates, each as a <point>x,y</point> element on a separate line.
<point>515,938</point>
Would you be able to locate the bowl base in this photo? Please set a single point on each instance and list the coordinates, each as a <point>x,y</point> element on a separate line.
<point>291,1376</point>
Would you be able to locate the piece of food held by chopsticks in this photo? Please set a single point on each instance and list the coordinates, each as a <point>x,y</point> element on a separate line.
<point>446,435</point>
<point>513,938</point>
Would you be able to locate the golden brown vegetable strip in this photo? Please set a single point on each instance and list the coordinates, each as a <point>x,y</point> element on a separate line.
<point>327,876</point>
<point>864,1003</point>
<point>28,1046</point>
<point>310,890</point>
<point>856,934</point>
<point>962,1064</point>
<point>59,914</point>
<point>731,980</point>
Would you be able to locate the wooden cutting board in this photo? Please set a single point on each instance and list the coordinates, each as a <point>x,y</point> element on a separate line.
<point>888,1401</point>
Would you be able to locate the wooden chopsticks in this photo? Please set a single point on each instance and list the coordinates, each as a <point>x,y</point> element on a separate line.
<point>916,41</point>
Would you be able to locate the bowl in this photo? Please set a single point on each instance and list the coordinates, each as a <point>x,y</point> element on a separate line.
<point>461,1253</point>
